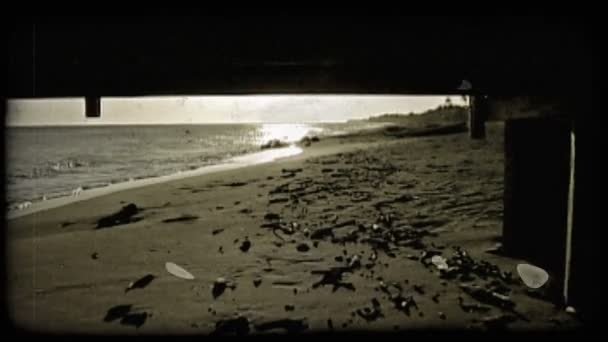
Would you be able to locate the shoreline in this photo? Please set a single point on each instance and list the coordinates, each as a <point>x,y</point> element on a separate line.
<point>53,200</point>
<point>238,162</point>
<point>234,163</point>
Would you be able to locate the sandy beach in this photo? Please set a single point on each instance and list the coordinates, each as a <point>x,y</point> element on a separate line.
<point>341,236</point>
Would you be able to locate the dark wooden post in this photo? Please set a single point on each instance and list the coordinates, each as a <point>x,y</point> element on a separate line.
<point>92,106</point>
<point>537,178</point>
<point>478,113</point>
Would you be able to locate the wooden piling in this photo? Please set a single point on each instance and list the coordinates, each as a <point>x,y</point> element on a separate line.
<point>92,106</point>
<point>477,117</point>
<point>537,179</point>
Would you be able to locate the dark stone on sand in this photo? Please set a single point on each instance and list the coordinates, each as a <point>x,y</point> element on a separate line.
<point>219,286</point>
<point>435,298</point>
<point>135,319</point>
<point>271,216</point>
<point>321,233</point>
<point>235,326</point>
<point>117,312</point>
<point>235,184</point>
<point>333,276</point>
<point>327,170</point>
<point>124,216</point>
<point>245,246</point>
<point>94,256</point>
<point>339,258</point>
<point>257,282</point>
<point>183,218</point>
<point>65,224</point>
<point>217,231</point>
<point>303,247</point>
<point>419,289</point>
<point>140,283</point>
<point>246,211</point>
<point>278,200</point>
<point>289,307</point>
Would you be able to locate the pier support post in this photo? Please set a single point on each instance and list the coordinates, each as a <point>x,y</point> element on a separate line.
<point>477,117</point>
<point>92,106</point>
<point>537,186</point>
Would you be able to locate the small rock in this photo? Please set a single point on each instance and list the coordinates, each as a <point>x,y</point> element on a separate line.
<point>271,216</point>
<point>436,298</point>
<point>303,247</point>
<point>257,282</point>
<point>219,286</point>
<point>289,307</point>
<point>571,310</point>
<point>140,283</point>
<point>419,289</point>
<point>94,256</point>
<point>245,246</point>
<point>442,315</point>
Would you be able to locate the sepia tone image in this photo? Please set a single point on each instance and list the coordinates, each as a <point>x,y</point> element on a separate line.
<point>274,175</point>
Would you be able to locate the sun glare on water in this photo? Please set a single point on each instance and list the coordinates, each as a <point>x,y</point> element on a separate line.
<point>286,132</point>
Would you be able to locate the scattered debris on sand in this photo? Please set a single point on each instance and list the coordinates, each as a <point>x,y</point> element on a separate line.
<point>182,218</point>
<point>140,283</point>
<point>126,215</point>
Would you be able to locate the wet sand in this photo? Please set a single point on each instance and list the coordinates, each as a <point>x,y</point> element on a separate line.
<point>341,236</point>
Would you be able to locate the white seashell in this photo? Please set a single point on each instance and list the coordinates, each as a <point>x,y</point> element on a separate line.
<point>534,277</point>
<point>440,262</point>
<point>178,271</point>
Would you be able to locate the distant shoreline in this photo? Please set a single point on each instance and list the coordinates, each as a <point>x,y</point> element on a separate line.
<point>238,162</point>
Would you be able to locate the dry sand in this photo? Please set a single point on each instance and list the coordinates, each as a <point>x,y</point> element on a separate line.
<point>441,192</point>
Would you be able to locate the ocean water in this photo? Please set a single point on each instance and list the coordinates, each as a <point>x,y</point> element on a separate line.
<point>48,162</point>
